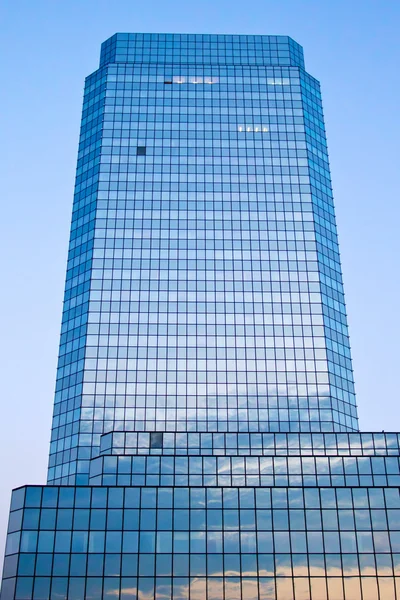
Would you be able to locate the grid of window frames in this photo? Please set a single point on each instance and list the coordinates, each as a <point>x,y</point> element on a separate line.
<point>204,288</point>
<point>316,444</point>
<point>245,471</point>
<point>204,356</point>
<point>196,543</point>
<point>202,49</point>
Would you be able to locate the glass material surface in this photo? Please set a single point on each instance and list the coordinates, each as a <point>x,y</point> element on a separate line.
<point>204,288</point>
<point>195,543</point>
<point>205,439</point>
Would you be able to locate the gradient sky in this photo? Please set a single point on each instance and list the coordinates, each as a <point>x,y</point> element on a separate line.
<point>48,47</point>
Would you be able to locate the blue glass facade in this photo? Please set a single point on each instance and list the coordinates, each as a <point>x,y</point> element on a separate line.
<point>204,289</point>
<point>194,543</point>
<point>205,437</point>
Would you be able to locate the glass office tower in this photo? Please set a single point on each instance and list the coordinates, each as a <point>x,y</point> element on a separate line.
<point>205,437</point>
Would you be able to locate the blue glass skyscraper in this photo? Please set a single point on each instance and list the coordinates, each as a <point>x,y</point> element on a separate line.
<point>205,437</point>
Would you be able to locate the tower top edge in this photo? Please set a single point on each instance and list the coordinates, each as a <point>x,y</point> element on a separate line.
<point>279,50</point>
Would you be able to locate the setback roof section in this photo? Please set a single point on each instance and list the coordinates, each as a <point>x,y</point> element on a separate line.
<point>261,50</point>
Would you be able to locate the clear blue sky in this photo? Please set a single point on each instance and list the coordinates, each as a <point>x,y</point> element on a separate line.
<point>47,48</point>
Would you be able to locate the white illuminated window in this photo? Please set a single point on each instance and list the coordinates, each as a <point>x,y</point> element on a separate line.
<point>179,79</point>
<point>253,128</point>
<point>278,81</point>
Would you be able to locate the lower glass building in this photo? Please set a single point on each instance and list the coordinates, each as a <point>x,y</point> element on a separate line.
<point>205,439</point>
<point>217,516</point>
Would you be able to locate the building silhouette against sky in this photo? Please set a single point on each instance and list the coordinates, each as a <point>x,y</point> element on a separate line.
<point>205,436</point>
